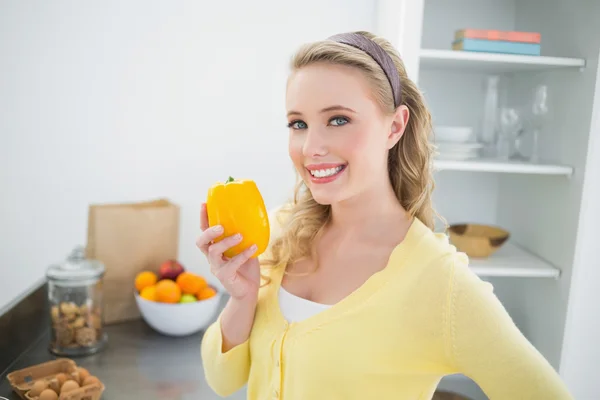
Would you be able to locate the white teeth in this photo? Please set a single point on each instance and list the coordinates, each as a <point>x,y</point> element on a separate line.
<point>323,173</point>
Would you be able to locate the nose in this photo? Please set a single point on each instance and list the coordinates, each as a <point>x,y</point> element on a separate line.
<point>314,144</point>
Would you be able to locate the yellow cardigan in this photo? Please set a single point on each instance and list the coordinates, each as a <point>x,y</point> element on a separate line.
<point>425,315</point>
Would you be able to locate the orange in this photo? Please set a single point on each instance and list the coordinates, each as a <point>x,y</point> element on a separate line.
<point>167,291</point>
<point>206,293</point>
<point>149,293</point>
<point>145,279</point>
<point>190,283</point>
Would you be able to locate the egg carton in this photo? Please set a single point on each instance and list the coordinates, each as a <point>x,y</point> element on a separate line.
<point>23,380</point>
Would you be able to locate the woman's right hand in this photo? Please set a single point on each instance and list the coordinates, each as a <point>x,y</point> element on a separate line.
<point>239,275</point>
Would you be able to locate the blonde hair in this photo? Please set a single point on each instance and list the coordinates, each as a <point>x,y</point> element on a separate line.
<point>409,162</point>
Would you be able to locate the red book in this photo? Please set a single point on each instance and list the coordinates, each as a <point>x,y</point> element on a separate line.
<point>491,34</point>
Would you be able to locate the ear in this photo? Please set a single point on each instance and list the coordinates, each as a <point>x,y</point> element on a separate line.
<point>399,123</point>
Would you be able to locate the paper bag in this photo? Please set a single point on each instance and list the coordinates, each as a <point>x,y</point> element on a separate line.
<point>129,238</point>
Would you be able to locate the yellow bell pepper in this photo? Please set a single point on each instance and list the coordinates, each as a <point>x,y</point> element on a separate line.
<point>238,206</point>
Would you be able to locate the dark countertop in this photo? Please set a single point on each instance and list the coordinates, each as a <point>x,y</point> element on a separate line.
<point>137,363</point>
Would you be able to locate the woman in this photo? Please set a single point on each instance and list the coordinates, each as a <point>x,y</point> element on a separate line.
<point>362,300</point>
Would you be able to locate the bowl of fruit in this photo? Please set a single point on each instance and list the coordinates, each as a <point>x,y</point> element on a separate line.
<point>176,302</point>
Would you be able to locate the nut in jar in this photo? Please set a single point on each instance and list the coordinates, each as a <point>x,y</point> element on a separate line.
<point>75,325</point>
<point>75,296</point>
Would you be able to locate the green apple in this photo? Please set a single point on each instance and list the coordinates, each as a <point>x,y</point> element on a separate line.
<point>188,298</point>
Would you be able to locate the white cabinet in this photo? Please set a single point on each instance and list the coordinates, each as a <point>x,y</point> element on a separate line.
<point>549,207</point>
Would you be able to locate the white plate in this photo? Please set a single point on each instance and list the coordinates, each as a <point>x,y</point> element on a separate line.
<point>457,157</point>
<point>459,151</point>
<point>465,145</point>
<point>455,134</point>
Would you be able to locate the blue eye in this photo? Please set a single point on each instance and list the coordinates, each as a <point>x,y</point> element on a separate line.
<point>297,125</point>
<point>338,121</point>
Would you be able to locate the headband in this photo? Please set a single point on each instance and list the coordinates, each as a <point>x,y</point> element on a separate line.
<point>378,54</point>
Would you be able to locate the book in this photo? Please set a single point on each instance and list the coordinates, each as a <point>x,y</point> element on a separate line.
<point>492,34</point>
<point>497,46</point>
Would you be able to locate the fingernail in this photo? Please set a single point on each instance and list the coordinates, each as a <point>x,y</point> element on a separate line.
<point>237,236</point>
<point>253,248</point>
<point>217,228</point>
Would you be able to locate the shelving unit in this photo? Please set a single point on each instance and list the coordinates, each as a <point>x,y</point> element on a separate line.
<point>502,166</point>
<point>512,261</point>
<point>493,62</point>
<point>541,273</point>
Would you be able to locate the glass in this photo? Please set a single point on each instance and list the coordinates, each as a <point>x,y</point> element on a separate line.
<point>76,314</point>
<point>539,111</point>
<point>488,134</point>
<point>511,130</point>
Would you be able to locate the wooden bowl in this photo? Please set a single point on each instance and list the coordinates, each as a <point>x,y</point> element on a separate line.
<point>477,241</point>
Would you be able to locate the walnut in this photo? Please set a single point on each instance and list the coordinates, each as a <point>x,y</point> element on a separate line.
<point>78,323</point>
<point>54,312</point>
<point>69,310</point>
<point>64,334</point>
<point>85,336</point>
<point>61,323</point>
<point>84,310</point>
<point>68,307</point>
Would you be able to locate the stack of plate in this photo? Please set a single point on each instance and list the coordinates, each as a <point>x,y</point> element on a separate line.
<point>456,143</point>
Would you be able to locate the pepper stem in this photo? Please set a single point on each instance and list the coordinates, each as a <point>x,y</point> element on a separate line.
<point>230,179</point>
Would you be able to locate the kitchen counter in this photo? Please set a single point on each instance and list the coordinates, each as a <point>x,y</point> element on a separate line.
<point>137,363</point>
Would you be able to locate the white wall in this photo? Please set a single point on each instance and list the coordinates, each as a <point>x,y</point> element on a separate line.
<point>127,101</point>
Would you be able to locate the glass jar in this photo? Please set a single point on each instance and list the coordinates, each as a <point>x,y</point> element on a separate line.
<point>75,297</point>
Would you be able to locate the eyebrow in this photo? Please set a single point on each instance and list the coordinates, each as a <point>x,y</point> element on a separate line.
<point>326,109</point>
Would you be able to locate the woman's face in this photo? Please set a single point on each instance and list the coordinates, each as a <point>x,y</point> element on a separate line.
<point>339,136</point>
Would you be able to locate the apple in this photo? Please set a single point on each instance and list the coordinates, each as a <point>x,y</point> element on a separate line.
<point>170,269</point>
<point>188,298</point>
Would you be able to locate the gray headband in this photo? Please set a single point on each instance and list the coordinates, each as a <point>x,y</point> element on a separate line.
<point>378,54</point>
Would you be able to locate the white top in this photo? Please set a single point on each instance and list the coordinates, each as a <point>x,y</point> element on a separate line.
<point>296,308</point>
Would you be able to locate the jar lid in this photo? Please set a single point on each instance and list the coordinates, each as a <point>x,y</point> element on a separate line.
<point>76,267</point>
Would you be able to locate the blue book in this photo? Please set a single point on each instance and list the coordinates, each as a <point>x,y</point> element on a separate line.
<point>497,46</point>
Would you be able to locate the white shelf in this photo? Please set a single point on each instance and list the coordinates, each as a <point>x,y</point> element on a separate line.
<point>512,261</point>
<point>493,62</point>
<point>501,166</point>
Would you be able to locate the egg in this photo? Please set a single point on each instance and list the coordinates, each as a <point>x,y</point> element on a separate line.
<point>54,384</point>
<point>74,376</point>
<point>68,386</point>
<point>62,378</point>
<point>89,380</point>
<point>83,373</point>
<point>48,394</point>
<point>37,388</point>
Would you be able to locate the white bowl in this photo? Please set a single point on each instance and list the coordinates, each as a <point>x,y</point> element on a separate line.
<point>456,134</point>
<point>180,319</point>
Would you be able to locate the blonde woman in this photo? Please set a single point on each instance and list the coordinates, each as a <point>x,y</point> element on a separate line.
<point>360,298</point>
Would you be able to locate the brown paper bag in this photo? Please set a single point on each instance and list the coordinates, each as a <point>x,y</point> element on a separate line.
<point>129,238</point>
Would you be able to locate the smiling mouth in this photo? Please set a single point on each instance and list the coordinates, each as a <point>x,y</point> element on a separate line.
<point>327,172</point>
